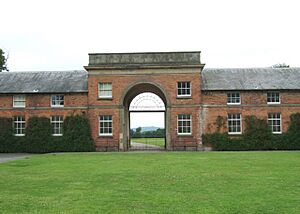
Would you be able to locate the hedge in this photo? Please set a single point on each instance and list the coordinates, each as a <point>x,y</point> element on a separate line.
<point>257,136</point>
<point>38,139</point>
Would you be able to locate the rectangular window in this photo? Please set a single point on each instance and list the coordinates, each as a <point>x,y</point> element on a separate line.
<point>57,125</point>
<point>57,101</point>
<point>233,98</point>
<point>105,125</point>
<point>234,124</point>
<point>183,89</point>
<point>184,124</point>
<point>105,90</point>
<point>274,121</point>
<point>19,101</point>
<point>273,97</point>
<point>19,126</point>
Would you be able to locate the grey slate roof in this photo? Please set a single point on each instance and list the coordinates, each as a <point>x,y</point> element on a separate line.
<point>43,82</point>
<point>251,79</point>
<point>212,79</point>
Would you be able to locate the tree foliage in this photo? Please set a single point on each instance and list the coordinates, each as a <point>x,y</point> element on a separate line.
<point>257,136</point>
<point>281,65</point>
<point>38,139</point>
<point>147,134</point>
<point>3,60</point>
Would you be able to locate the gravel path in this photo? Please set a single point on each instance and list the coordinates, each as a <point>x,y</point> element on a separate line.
<point>142,146</point>
<point>4,157</point>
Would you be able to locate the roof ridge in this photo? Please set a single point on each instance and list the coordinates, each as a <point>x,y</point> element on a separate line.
<point>27,72</point>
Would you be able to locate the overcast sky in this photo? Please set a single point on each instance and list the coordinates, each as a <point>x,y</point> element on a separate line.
<point>147,101</point>
<point>58,34</point>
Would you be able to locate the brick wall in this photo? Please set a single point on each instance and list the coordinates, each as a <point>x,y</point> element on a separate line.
<point>122,83</point>
<point>39,105</point>
<point>252,103</point>
<point>204,106</point>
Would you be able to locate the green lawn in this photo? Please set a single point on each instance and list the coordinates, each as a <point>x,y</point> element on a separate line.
<point>157,182</point>
<point>152,141</point>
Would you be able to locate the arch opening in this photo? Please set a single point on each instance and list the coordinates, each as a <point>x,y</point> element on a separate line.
<point>147,101</point>
<point>145,124</point>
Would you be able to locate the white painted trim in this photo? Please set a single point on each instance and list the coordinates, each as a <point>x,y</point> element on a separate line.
<point>239,103</point>
<point>23,106</point>
<point>57,135</point>
<point>19,135</point>
<point>241,122</point>
<point>112,127</point>
<point>191,127</point>
<point>105,134</point>
<point>184,95</point>
<point>56,106</point>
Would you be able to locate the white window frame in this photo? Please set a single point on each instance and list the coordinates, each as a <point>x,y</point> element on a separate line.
<point>107,88</point>
<point>232,97</point>
<point>183,88</point>
<point>184,120</point>
<point>57,124</point>
<point>19,125</point>
<point>273,117</point>
<point>234,125</point>
<point>273,93</point>
<point>19,99</point>
<point>108,120</point>
<point>55,103</point>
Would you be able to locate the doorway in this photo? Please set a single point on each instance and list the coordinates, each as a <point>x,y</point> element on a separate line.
<point>147,123</point>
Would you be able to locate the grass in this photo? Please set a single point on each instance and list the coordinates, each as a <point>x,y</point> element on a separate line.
<point>159,182</point>
<point>152,141</point>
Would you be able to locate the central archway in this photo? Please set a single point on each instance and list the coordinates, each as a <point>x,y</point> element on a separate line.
<point>128,96</point>
<point>147,122</point>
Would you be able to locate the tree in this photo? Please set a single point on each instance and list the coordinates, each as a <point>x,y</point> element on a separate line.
<point>3,66</point>
<point>137,133</point>
<point>280,65</point>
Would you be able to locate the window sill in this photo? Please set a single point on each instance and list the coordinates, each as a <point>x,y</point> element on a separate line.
<point>184,97</point>
<point>57,135</point>
<point>105,98</point>
<point>276,132</point>
<point>57,106</point>
<point>19,135</point>
<point>273,103</point>
<point>233,104</point>
<point>234,133</point>
<point>184,134</point>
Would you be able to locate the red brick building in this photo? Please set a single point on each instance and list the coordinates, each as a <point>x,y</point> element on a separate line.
<point>194,97</point>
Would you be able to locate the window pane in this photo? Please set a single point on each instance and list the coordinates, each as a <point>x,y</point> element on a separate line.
<point>19,101</point>
<point>274,122</point>
<point>105,90</point>
<point>184,88</point>
<point>105,125</point>
<point>57,100</point>
<point>273,97</point>
<point>234,123</point>
<point>57,125</point>
<point>233,97</point>
<point>184,124</point>
<point>19,125</point>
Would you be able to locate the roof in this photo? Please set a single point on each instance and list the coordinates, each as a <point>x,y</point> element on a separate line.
<point>212,79</point>
<point>251,79</point>
<point>145,59</point>
<point>43,82</point>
